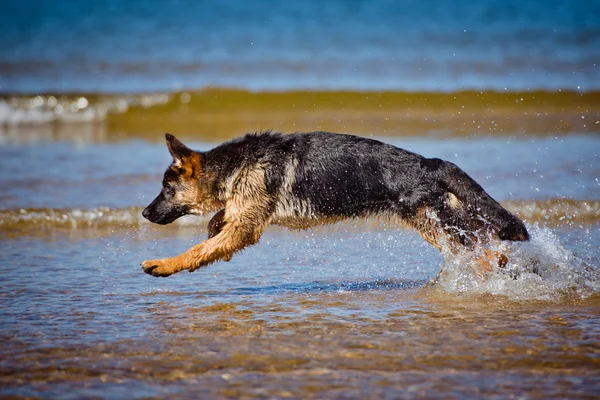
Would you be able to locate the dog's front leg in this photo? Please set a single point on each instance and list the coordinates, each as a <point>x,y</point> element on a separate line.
<point>164,267</point>
<point>232,238</point>
<point>216,225</point>
<point>169,266</point>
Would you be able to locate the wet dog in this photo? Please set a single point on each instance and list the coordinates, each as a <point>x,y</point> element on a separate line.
<point>304,179</point>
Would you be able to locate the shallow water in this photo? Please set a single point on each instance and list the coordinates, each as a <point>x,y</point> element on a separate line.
<point>340,311</point>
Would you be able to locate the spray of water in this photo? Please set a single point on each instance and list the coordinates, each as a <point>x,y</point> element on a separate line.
<point>541,269</point>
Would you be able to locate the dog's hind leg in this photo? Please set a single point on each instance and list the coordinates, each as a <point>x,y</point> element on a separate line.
<point>476,207</point>
<point>480,221</point>
<point>446,222</point>
<point>427,226</point>
<point>484,264</point>
<point>215,225</point>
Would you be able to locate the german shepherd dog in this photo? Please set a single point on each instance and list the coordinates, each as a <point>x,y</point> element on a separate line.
<point>305,179</point>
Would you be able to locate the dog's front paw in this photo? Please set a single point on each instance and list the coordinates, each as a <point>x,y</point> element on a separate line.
<point>158,268</point>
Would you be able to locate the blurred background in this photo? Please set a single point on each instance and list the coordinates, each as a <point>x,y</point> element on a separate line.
<point>105,69</point>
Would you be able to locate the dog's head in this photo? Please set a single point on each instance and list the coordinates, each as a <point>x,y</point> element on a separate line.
<point>181,192</point>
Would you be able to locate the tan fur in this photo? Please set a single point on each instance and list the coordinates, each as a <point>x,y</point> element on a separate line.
<point>453,201</point>
<point>300,223</point>
<point>427,226</point>
<point>194,190</point>
<point>289,210</point>
<point>243,227</point>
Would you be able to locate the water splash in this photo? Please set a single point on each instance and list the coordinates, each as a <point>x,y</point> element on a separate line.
<point>541,269</point>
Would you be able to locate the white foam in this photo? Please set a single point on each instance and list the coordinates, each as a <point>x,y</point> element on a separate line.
<point>37,110</point>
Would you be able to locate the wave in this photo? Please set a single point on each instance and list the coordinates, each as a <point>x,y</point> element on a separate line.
<point>387,111</point>
<point>46,109</point>
<point>554,212</point>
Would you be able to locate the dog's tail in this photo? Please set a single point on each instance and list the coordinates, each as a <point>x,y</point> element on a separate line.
<point>472,202</point>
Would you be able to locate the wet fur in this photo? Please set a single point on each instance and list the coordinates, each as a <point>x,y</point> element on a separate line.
<point>305,179</point>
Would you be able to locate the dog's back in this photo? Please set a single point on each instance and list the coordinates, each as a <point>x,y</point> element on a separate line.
<point>319,176</point>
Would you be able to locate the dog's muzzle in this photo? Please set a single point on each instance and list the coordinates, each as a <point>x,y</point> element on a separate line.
<point>160,211</point>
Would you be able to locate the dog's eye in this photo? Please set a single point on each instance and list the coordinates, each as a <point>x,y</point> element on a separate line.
<point>168,190</point>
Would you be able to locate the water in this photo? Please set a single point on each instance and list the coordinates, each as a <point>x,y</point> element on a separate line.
<point>145,46</point>
<point>508,90</point>
<point>343,310</point>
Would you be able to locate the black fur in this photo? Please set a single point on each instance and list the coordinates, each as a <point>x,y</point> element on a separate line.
<point>352,176</point>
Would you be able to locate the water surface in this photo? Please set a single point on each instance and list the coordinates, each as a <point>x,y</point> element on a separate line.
<point>508,90</point>
<point>343,310</point>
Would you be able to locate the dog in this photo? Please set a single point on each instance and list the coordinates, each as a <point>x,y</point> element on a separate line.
<point>301,180</point>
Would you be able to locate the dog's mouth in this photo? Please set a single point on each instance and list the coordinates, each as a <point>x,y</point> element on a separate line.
<point>159,212</point>
<point>162,219</point>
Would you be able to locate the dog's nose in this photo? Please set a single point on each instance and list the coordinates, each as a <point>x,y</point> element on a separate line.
<point>145,213</point>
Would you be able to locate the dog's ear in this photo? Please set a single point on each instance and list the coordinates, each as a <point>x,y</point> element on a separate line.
<point>178,150</point>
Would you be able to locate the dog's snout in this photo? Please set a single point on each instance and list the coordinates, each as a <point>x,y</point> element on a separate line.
<point>146,213</point>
